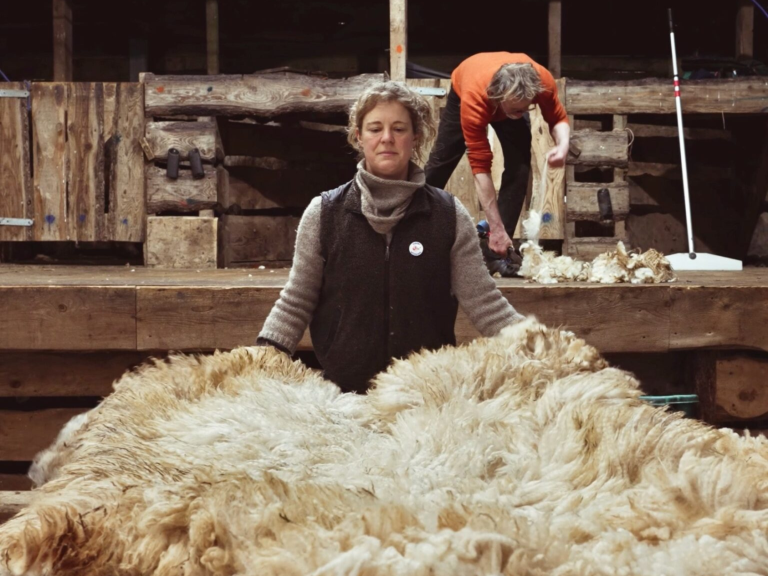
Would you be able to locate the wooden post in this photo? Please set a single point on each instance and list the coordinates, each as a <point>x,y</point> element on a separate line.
<point>745,29</point>
<point>138,58</point>
<point>62,40</point>
<point>398,38</point>
<point>555,38</point>
<point>212,34</point>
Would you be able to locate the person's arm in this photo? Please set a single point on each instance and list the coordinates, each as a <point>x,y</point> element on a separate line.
<point>475,289</point>
<point>561,133</point>
<point>498,240</point>
<point>293,311</point>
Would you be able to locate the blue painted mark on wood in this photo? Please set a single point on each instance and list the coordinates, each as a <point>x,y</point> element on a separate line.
<point>546,218</point>
<point>124,221</point>
<point>50,219</point>
<point>81,218</point>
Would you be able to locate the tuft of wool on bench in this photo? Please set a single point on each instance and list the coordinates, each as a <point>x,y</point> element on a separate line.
<point>612,267</point>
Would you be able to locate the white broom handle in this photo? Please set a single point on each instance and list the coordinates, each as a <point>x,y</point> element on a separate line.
<point>681,137</point>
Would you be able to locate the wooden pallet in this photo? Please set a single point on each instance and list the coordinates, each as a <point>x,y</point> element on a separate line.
<point>600,150</point>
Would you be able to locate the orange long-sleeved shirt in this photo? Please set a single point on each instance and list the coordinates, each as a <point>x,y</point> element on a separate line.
<point>470,81</point>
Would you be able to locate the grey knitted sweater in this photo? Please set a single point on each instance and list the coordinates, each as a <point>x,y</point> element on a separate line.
<point>472,285</point>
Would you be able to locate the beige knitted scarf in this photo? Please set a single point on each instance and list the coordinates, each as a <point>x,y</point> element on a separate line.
<point>384,202</point>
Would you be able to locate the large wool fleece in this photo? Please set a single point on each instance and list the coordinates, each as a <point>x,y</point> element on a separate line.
<point>519,454</point>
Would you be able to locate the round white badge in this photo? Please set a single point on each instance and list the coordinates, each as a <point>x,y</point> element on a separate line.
<point>416,249</point>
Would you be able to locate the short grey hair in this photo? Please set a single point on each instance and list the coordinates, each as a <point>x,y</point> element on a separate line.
<point>518,81</point>
<point>422,117</point>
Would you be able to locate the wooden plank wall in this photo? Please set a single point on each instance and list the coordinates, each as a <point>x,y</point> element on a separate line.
<point>88,182</point>
<point>16,198</point>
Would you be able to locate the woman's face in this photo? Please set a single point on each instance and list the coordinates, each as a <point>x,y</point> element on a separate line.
<point>387,139</point>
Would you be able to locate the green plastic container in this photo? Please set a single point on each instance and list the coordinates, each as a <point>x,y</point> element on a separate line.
<point>682,402</point>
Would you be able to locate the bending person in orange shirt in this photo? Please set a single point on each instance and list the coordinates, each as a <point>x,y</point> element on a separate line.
<point>497,88</point>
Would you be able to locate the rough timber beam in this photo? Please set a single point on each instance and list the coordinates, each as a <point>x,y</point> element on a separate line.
<point>655,96</point>
<point>265,95</point>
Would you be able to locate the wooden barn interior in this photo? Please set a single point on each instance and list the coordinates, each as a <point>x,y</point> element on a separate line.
<point>105,261</point>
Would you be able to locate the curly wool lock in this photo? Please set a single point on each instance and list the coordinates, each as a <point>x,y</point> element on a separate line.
<point>518,454</point>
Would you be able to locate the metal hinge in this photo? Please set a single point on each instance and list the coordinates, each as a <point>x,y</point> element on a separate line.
<point>16,222</point>
<point>430,91</point>
<point>14,93</point>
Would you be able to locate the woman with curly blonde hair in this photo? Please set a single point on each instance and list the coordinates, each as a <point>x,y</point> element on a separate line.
<point>382,262</point>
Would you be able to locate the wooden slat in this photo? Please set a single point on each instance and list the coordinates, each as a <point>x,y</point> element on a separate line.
<point>62,40</point>
<point>184,136</point>
<point>63,373</point>
<point>656,96</point>
<point>200,318</point>
<point>68,318</point>
<point>261,95</point>
<point>50,158</point>
<point>554,63</point>
<point>257,239</point>
<point>16,195</point>
<point>597,315</point>
<point>127,199</point>
<point>14,483</point>
<point>85,135</point>
<point>600,148</point>
<point>549,204</point>
<point>180,242</point>
<point>24,434</point>
<point>12,502</point>
<point>212,35</point>
<point>185,194</point>
<point>398,38</point>
<point>674,171</point>
<point>582,200</point>
<point>745,29</point>
<point>660,131</point>
<point>710,317</point>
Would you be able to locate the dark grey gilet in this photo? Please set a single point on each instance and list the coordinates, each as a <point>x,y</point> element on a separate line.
<point>377,304</point>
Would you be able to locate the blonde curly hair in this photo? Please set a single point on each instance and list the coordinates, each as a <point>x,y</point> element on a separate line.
<point>514,82</point>
<point>422,117</point>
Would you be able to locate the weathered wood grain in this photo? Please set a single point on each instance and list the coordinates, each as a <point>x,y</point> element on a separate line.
<point>180,242</point>
<point>257,239</point>
<point>258,95</point>
<point>398,39</point>
<point>68,318</point>
<point>656,96</point>
<point>600,148</point>
<point>127,198</point>
<point>185,194</point>
<point>85,174</point>
<point>23,434</point>
<point>50,158</point>
<point>33,374</point>
<point>16,194</point>
<point>582,200</point>
<point>186,318</point>
<point>184,136</point>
